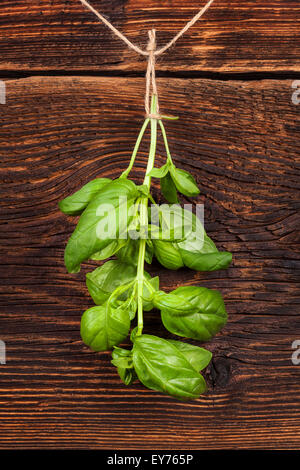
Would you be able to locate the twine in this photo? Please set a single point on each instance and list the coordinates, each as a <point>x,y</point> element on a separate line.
<point>150,74</point>
<point>151,52</point>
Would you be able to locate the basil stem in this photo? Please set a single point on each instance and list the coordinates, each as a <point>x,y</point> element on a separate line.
<point>135,150</point>
<point>163,131</point>
<point>144,215</point>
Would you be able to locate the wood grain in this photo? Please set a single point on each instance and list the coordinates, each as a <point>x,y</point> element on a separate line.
<point>233,36</point>
<point>241,142</point>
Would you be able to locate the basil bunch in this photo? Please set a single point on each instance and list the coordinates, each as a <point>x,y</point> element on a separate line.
<point>121,288</point>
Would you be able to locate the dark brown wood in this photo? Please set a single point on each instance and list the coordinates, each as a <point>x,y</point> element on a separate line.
<point>241,142</point>
<point>247,36</point>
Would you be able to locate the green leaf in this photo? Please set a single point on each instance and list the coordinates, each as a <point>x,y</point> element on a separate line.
<point>127,375</point>
<point>122,359</point>
<point>164,234</point>
<point>182,223</point>
<point>149,251</point>
<point>168,189</point>
<point>168,254</point>
<point>184,182</point>
<point>129,252</point>
<point>77,202</point>
<point>133,334</point>
<point>197,251</point>
<point>109,250</point>
<point>206,261</point>
<point>143,190</point>
<point>199,358</point>
<point>159,172</point>
<point>175,223</point>
<point>102,327</point>
<point>161,366</point>
<point>104,280</point>
<point>147,294</point>
<point>105,208</point>
<point>173,304</point>
<point>130,304</point>
<point>208,319</point>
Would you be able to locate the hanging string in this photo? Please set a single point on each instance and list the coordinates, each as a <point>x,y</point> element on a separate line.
<point>150,75</point>
<point>151,52</point>
<point>114,30</point>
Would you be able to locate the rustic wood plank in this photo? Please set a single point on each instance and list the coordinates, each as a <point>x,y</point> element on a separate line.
<point>248,36</point>
<point>241,142</point>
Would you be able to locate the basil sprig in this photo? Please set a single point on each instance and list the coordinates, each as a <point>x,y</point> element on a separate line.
<point>122,359</point>
<point>104,281</point>
<point>121,288</point>
<point>174,179</point>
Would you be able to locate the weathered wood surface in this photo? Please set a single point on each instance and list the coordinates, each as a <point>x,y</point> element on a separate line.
<point>241,142</point>
<point>233,36</point>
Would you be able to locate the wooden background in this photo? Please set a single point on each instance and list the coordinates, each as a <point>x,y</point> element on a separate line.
<point>74,107</point>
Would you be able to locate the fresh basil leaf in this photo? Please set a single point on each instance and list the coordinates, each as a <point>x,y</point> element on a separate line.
<point>129,252</point>
<point>197,251</point>
<point>149,251</point>
<point>208,319</point>
<point>143,190</point>
<point>199,358</point>
<point>104,280</point>
<point>206,261</point>
<point>168,254</point>
<point>127,375</point>
<point>161,366</point>
<point>184,182</point>
<point>174,222</point>
<point>167,234</point>
<point>77,202</point>
<point>129,304</point>
<point>183,223</point>
<point>148,295</point>
<point>102,327</point>
<point>154,281</point>
<point>122,359</point>
<point>119,354</point>
<point>115,199</point>
<point>109,250</point>
<point>159,172</point>
<point>168,189</point>
<point>133,334</point>
<point>173,304</point>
